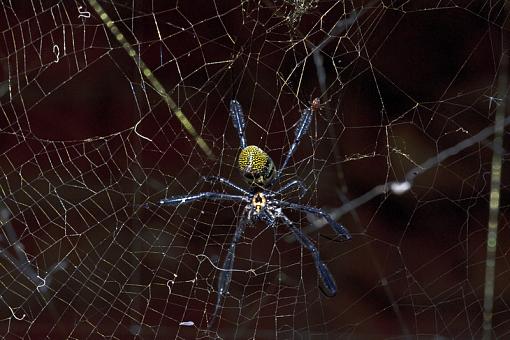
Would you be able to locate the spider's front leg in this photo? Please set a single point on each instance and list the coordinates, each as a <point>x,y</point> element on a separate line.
<point>323,271</point>
<point>337,227</point>
<point>226,269</point>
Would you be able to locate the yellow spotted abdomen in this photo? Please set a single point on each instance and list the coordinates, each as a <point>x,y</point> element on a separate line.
<point>256,166</point>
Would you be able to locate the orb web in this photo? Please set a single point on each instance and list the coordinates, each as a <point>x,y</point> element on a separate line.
<point>108,107</point>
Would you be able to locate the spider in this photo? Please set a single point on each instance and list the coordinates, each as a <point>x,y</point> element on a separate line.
<point>263,203</point>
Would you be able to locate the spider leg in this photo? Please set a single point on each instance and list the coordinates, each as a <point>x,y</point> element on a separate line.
<point>339,229</point>
<point>237,116</point>
<point>214,179</point>
<point>226,269</point>
<point>216,196</point>
<point>288,186</point>
<point>301,129</point>
<point>322,269</point>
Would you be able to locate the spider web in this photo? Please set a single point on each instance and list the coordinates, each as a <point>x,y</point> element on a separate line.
<point>110,106</point>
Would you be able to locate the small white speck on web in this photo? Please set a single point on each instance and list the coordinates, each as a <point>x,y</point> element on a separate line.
<point>187,323</point>
<point>400,187</point>
<point>139,134</point>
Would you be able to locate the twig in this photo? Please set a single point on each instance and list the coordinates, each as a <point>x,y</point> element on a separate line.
<point>404,186</point>
<point>146,71</point>
<point>492,232</point>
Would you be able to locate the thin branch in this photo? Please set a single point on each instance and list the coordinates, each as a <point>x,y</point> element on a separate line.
<point>492,231</point>
<point>146,71</point>
<point>404,186</point>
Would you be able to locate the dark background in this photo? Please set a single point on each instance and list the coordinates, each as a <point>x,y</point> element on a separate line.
<point>404,81</point>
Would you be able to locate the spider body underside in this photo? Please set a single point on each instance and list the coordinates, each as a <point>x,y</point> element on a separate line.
<point>262,203</point>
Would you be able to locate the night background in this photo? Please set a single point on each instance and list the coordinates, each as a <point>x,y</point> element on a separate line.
<point>89,145</point>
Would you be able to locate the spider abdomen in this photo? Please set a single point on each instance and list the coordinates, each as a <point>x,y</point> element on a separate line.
<point>256,166</point>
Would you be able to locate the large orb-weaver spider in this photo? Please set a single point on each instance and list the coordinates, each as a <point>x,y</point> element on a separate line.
<point>261,200</point>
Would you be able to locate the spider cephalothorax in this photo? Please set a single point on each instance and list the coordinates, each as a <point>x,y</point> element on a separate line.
<point>262,202</point>
<point>259,201</point>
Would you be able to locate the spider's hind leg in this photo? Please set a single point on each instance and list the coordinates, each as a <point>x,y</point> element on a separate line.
<point>290,185</point>
<point>215,179</point>
<point>215,196</point>
<point>237,116</point>
<point>301,129</point>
